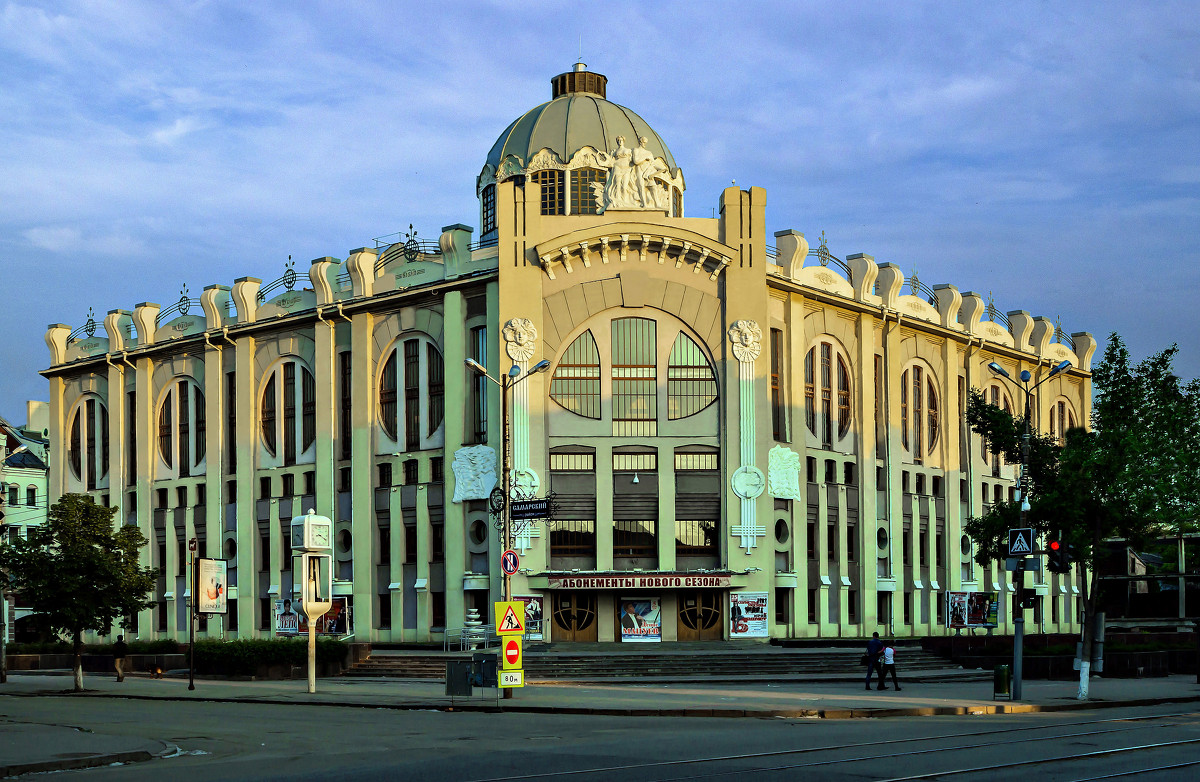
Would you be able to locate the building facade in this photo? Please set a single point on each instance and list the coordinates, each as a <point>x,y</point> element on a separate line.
<point>742,436</point>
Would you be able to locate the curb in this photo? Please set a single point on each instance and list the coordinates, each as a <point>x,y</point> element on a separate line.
<point>73,764</point>
<point>723,713</point>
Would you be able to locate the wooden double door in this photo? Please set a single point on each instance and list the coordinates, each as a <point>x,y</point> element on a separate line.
<point>700,616</point>
<point>574,616</point>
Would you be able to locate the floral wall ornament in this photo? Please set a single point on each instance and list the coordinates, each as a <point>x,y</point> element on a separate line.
<point>746,336</point>
<point>519,336</point>
<point>783,473</point>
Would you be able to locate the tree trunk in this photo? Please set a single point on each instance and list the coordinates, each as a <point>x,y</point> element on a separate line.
<point>78,661</point>
<point>1090,593</point>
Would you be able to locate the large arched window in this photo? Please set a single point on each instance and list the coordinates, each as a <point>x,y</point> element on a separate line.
<point>919,416</point>
<point>412,397</point>
<point>996,396</point>
<point>288,411</point>
<point>87,448</point>
<point>1062,418</point>
<point>181,429</point>
<point>638,357</point>
<point>826,374</point>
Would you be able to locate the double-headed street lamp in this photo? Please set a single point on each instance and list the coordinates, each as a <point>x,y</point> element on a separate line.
<point>1019,572</point>
<point>506,384</point>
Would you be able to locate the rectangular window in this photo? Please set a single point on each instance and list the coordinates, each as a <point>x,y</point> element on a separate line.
<point>478,432</point>
<point>30,495</point>
<point>437,609</point>
<point>923,554</point>
<point>264,550</point>
<point>289,412</point>
<point>385,474</point>
<point>385,545</point>
<point>635,377</point>
<point>185,426</point>
<point>778,418</point>
<point>488,211</point>
<point>344,479</point>
<point>410,544</point>
<point>308,401</point>
<point>310,483</point>
<point>130,438</point>
<point>264,613</point>
<point>201,494</point>
<point>831,541</point>
<point>410,472</point>
<point>345,403</point>
<point>230,422</point>
<point>551,181</point>
<point>812,606</point>
<point>437,464</point>
<point>437,388</point>
<point>812,540</point>
<point>826,395</point>
<point>264,487</point>
<point>783,599</point>
<point>852,543</point>
<point>584,182</point>
<point>289,485</point>
<point>384,602</point>
<point>181,496</point>
<point>412,394</point>
<point>852,606</point>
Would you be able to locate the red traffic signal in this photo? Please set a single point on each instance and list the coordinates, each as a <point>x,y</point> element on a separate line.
<point>1059,556</point>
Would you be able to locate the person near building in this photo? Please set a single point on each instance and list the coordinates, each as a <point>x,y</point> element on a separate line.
<point>889,666</point>
<point>871,658</point>
<point>120,649</point>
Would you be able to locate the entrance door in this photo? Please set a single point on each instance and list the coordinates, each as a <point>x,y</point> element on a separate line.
<point>574,616</point>
<point>700,616</point>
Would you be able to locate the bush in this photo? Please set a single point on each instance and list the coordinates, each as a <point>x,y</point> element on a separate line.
<point>245,657</point>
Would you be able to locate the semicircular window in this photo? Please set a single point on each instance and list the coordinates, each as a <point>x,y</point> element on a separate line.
<point>576,381</point>
<point>691,386</point>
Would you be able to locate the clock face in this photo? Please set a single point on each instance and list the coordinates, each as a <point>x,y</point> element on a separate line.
<point>320,535</point>
<point>297,536</point>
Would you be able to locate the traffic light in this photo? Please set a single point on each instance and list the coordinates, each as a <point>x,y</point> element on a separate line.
<point>1059,556</point>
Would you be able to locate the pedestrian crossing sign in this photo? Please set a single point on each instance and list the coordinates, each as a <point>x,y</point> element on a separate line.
<point>1020,542</point>
<point>510,618</point>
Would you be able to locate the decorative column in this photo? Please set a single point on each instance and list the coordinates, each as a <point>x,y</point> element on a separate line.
<point>520,337</point>
<point>748,481</point>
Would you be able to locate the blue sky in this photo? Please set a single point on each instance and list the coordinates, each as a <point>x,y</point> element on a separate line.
<point>1047,153</point>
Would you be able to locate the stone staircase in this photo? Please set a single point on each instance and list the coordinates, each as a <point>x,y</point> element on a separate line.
<point>667,662</point>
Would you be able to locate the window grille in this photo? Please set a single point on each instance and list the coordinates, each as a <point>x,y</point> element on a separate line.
<point>576,381</point>
<point>583,196</point>
<point>551,181</point>
<point>691,386</point>
<point>635,381</point>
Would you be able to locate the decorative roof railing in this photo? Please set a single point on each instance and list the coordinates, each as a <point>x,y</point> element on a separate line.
<point>88,329</point>
<point>921,290</point>
<point>1062,337</point>
<point>824,257</point>
<point>408,246</point>
<point>288,280</point>
<point>181,307</point>
<point>484,241</point>
<point>995,315</point>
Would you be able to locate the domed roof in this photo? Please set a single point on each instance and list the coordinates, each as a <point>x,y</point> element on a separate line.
<point>578,116</point>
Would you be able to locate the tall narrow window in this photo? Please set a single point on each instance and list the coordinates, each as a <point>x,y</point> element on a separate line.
<point>551,181</point>
<point>231,420</point>
<point>635,377</point>
<point>289,388</point>
<point>346,425</point>
<point>289,413</point>
<point>181,429</point>
<point>91,443</point>
<point>479,386</point>
<point>919,419</point>
<point>268,417</point>
<point>185,427</point>
<point>412,394</point>
<point>834,379</point>
<point>576,381</point>
<point>843,387</point>
<point>691,385</point>
<point>777,411</point>
<point>583,190</point>
<point>166,430</point>
<point>201,424</point>
<point>88,444</point>
<point>437,388</point>
<point>308,410</point>
<point>826,394</point>
<point>387,397</point>
<point>810,409</point>
<point>130,438</point>
<point>489,211</point>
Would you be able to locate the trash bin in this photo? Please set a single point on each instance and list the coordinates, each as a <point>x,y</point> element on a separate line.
<point>458,677</point>
<point>1002,682</point>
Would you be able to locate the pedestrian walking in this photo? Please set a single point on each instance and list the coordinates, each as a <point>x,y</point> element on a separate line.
<point>871,658</point>
<point>889,666</point>
<point>119,652</point>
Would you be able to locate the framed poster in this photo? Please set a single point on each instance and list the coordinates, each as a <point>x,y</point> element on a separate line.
<point>534,612</point>
<point>641,620</point>
<point>748,615</point>
<point>290,619</point>
<point>971,609</point>
<point>212,580</point>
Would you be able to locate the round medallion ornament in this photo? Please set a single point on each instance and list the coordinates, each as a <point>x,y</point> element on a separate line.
<point>748,482</point>
<point>496,500</point>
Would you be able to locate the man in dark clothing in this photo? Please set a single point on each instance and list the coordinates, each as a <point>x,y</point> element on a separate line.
<point>119,652</point>
<point>874,649</point>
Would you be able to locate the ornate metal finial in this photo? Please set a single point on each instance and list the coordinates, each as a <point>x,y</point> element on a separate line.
<point>184,301</point>
<point>914,282</point>
<point>412,246</point>
<point>289,274</point>
<point>823,251</point>
<point>1058,332</point>
<point>90,327</point>
<point>991,307</point>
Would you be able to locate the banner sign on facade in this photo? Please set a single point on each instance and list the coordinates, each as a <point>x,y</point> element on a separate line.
<point>972,609</point>
<point>290,620</point>
<point>211,584</point>
<point>534,606</point>
<point>641,620</point>
<point>748,615</point>
<point>638,582</point>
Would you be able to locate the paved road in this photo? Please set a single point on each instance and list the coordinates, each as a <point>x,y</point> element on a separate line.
<point>400,730</point>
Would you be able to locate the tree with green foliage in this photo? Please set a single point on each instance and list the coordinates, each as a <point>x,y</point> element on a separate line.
<point>1133,475</point>
<point>79,572</point>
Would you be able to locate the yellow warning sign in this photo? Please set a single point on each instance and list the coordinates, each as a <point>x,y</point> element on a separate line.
<point>510,618</point>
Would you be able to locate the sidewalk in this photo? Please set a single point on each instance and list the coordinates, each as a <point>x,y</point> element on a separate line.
<point>929,695</point>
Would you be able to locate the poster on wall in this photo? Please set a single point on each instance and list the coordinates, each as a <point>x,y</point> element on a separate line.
<point>290,619</point>
<point>641,620</point>
<point>211,581</point>
<point>971,609</point>
<point>533,616</point>
<point>748,615</point>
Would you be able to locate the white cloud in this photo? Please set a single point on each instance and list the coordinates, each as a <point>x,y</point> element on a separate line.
<point>55,239</point>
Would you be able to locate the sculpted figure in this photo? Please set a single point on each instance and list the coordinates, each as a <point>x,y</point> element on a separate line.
<point>619,191</point>
<point>519,336</point>
<point>746,336</point>
<point>474,472</point>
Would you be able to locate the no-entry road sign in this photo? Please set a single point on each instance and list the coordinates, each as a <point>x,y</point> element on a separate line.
<point>512,657</point>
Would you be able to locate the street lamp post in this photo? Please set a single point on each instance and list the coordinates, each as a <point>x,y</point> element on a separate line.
<point>506,384</point>
<point>1019,573</point>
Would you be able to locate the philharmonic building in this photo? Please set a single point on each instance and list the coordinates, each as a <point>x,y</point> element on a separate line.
<point>740,433</point>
